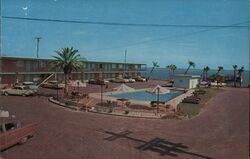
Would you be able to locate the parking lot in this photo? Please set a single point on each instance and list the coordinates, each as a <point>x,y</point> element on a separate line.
<point>220,131</point>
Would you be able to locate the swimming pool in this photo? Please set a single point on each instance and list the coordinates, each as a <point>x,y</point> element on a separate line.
<point>146,96</point>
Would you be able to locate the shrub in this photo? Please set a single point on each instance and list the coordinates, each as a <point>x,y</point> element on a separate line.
<point>126,111</point>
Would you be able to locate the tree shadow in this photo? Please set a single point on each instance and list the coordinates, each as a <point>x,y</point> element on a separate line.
<point>161,146</point>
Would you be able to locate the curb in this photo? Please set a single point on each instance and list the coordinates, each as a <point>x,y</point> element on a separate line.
<point>62,104</point>
<point>123,115</point>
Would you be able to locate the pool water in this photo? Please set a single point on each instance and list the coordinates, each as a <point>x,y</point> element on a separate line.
<point>146,96</point>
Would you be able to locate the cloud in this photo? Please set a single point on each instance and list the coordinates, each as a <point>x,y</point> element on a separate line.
<point>25,8</point>
<point>80,33</point>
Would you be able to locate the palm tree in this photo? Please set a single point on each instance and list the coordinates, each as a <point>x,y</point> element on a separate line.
<point>220,68</point>
<point>205,70</point>
<point>218,77</point>
<point>155,64</point>
<point>190,64</point>
<point>235,69</point>
<point>172,68</point>
<point>68,60</point>
<point>240,71</point>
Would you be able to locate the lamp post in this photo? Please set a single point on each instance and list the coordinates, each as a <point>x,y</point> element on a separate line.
<point>101,67</point>
<point>78,83</point>
<point>158,94</point>
<point>125,61</point>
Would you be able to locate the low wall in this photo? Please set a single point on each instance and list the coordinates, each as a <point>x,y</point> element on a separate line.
<point>174,102</point>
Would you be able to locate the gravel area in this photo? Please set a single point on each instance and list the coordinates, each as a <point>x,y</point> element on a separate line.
<point>220,131</point>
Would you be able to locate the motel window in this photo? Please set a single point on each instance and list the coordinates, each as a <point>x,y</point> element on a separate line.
<point>113,66</point>
<point>35,66</point>
<point>120,66</point>
<point>89,66</point>
<point>27,66</point>
<point>42,64</point>
<point>142,67</point>
<point>84,65</point>
<point>20,63</point>
<point>27,77</point>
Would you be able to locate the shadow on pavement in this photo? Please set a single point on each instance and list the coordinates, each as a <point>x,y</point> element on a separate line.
<point>158,145</point>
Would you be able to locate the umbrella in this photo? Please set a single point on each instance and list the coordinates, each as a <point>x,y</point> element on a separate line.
<point>161,89</point>
<point>77,83</point>
<point>124,88</point>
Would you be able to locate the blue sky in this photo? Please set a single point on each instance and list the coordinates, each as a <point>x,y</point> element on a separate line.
<point>167,45</point>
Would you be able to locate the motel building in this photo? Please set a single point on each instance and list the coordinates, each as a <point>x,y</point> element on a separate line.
<point>186,81</point>
<point>23,69</point>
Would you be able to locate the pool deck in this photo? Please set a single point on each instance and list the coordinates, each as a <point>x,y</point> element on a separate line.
<point>173,102</point>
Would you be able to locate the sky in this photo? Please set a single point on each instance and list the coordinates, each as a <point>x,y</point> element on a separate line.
<point>206,46</point>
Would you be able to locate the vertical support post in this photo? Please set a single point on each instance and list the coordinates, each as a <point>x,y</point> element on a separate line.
<point>158,94</point>
<point>125,61</point>
<point>102,80</point>
<point>78,89</point>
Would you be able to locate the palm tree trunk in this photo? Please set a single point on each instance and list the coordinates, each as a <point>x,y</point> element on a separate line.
<point>234,78</point>
<point>66,83</point>
<point>173,75</point>
<point>150,73</point>
<point>240,81</point>
<point>187,69</point>
<point>206,76</point>
<point>170,76</point>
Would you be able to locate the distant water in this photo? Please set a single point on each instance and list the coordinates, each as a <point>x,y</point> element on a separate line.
<point>164,74</point>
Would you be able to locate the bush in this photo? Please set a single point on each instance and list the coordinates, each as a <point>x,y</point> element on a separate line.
<point>126,111</point>
<point>127,104</point>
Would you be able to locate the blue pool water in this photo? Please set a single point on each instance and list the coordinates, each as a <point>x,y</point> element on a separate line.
<point>146,96</point>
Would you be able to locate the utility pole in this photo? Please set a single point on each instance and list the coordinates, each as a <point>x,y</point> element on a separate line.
<point>37,45</point>
<point>125,61</point>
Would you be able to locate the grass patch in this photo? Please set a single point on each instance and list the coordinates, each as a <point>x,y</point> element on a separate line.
<point>193,109</point>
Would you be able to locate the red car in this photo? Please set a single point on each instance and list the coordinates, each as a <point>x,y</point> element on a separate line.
<point>12,133</point>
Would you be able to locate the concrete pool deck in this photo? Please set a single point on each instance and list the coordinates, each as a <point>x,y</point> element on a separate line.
<point>173,102</point>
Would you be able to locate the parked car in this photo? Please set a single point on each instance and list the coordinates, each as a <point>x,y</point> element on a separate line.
<point>130,80</point>
<point>12,133</point>
<point>31,86</point>
<point>120,80</point>
<point>139,79</point>
<point>98,81</point>
<point>53,84</point>
<point>18,90</point>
